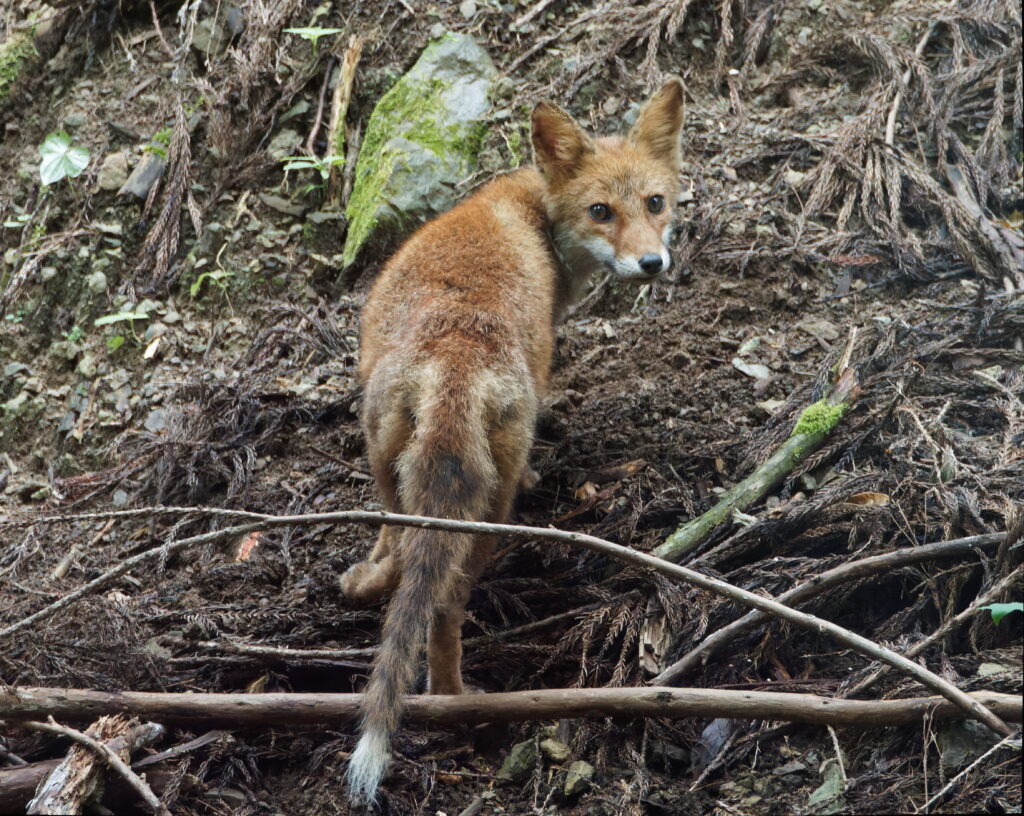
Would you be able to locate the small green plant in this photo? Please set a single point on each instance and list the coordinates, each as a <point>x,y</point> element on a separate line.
<point>1001,610</point>
<point>161,142</point>
<point>60,159</point>
<point>74,335</point>
<point>120,317</point>
<point>322,165</point>
<point>19,221</point>
<point>313,34</point>
<point>15,317</point>
<point>219,277</point>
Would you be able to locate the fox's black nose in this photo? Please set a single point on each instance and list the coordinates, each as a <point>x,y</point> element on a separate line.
<point>651,263</point>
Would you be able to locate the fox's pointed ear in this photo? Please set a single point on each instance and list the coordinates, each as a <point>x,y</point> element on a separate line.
<point>660,123</point>
<point>559,143</point>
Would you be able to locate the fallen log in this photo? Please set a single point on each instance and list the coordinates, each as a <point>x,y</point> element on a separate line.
<point>18,786</point>
<point>266,710</point>
<point>78,779</point>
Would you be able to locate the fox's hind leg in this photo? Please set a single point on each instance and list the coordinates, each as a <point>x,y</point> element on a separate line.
<point>509,449</point>
<point>372,579</point>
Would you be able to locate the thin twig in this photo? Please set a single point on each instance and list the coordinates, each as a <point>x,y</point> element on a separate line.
<point>125,566</point>
<point>1012,740</point>
<point>890,125</point>
<point>844,573</point>
<point>311,141</point>
<point>533,12</point>
<point>592,543</point>
<point>61,570</point>
<point>988,597</point>
<point>113,760</point>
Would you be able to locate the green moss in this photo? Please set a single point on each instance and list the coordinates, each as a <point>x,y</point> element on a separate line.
<point>409,110</point>
<point>372,172</point>
<point>515,147</point>
<point>819,418</point>
<point>13,55</point>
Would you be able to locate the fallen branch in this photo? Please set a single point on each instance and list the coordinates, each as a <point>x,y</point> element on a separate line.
<point>815,423</point>
<point>75,779</point>
<point>592,543</point>
<point>265,710</point>
<point>853,570</point>
<point>339,108</point>
<point>18,786</point>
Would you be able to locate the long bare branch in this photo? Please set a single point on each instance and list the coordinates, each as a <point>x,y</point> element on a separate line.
<point>592,543</point>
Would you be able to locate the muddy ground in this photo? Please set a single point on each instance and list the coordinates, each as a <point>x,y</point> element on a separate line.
<point>237,390</point>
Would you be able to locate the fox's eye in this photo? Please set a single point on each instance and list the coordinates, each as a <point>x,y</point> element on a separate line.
<point>600,212</point>
<point>655,204</point>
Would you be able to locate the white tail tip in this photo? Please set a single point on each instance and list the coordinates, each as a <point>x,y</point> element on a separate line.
<point>367,766</point>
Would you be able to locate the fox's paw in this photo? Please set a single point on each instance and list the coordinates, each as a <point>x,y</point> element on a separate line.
<point>359,583</point>
<point>464,688</point>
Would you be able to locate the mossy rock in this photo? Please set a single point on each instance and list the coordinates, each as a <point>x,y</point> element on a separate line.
<point>423,137</point>
<point>14,53</point>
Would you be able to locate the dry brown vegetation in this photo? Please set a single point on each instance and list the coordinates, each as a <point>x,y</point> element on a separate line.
<point>849,165</point>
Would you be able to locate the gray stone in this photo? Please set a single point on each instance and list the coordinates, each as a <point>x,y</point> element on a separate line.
<point>827,797</point>
<point>793,767</point>
<point>75,119</point>
<point>208,37</point>
<point>282,205</point>
<point>284,144</point>
<point>113,173</point>
<point>520,762</point>
<point>144,176</point>
<point>323,216</point>
<point>156,421</point>
<point>64,350</point>
<point>87,366</point>
<point>578,777</point>
<point>961,743</point>
<point>97,282</point>
<point>555,750</point>
<point>13,369</point>
<point>422,138</point>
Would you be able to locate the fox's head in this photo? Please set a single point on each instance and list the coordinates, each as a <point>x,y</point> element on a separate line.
<point>611,198</point>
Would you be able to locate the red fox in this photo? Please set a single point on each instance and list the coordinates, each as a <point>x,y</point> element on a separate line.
<point>456,344</point>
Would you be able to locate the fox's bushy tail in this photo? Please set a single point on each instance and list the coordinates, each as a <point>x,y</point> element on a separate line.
<point>445,471</point>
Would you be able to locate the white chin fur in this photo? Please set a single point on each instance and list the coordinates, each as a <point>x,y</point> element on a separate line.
<point>367,766</point>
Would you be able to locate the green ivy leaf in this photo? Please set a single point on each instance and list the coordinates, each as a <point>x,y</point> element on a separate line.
<point>1001,610</point>
<point>60,159</point>
<point>115,342</point>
